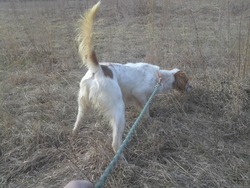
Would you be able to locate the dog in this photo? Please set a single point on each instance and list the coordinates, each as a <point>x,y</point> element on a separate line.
<point>107,86</point>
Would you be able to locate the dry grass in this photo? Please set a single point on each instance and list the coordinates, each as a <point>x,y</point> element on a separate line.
<point>197,140</point>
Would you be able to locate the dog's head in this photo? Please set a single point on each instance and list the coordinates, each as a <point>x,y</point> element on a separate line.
<point>181,82</point>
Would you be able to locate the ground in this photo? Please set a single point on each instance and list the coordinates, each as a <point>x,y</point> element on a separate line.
<point>199,139</point>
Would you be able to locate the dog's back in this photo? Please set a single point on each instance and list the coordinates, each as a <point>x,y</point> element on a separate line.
<point>134,79</point>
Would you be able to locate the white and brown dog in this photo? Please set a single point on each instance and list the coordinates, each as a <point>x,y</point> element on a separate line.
<point>107,85</point>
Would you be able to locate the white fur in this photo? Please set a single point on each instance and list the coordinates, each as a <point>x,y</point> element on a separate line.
<point>137,80</point>
<point>103,94</point>
<point>130,82</point>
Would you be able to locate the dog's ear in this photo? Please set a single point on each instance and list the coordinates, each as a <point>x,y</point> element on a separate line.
<point>181,81</point>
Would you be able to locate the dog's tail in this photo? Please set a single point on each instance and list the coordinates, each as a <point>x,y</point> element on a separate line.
<point>85,35</point>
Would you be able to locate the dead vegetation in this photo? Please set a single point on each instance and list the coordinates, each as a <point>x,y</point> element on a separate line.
<point>197,140</point>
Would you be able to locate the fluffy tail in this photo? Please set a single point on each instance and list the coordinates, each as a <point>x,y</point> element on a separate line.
<point>85,35</point>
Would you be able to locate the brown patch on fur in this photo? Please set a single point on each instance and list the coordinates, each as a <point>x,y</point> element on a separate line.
<point>93,58</point>
<point>107,72</point>
<point>181,81</point>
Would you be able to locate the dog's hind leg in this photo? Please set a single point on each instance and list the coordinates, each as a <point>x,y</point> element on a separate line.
<point>82,108</point>
<point>116,115</point>
<point>118,125</point>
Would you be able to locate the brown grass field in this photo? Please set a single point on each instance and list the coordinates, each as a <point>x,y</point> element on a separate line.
<point>201,139</point>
